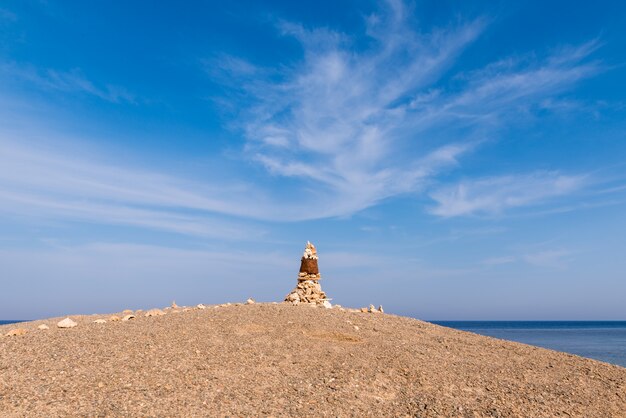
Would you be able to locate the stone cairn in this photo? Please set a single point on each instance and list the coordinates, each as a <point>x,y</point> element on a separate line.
<point>308,289</point>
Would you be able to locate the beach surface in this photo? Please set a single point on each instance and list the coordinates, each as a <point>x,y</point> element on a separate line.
<point>283,360</point>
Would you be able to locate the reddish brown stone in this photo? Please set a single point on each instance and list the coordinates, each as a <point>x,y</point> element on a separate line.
<point>309,266</point>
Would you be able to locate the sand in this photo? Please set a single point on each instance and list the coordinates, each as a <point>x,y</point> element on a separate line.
<point>282,360</point>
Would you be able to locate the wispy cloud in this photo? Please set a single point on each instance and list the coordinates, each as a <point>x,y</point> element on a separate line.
<point>362,125</point>
<point>73,81</point>
<point>493,195</point>
<point>551,258</point>
<point>343,129</point>
<point>49,186</point>
<point>548,258</point>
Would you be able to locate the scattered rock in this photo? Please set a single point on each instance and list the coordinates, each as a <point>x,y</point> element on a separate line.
<point>363,309</point>
<point>201,306</point>
<point>114,318</point>
<point>16,332</point>
<point>380,309</point>
<point>154,312</point>
<point>326,304</point>
<point>43,327</point>
<point>174,305</point>
<point>128,317</point>
<point>372,309</point>
<point>250,301</point>
<point>186,309</point>
<point>67,323</point>
<point>356,328</point>
<point>100,321</point>
<point>127,312</point>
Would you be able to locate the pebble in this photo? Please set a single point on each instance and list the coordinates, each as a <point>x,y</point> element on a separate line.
<point>154,312</point>
<point>43,326</point>
<point>128,317</point>
<point>363,309</point>
<point>380,309</point>
<point>250,301</point>
<point>16,332</point>
<point>326,304</point>
<point>100,321</point>
<point>201,306</point>
<point>114,318</point>
<point>127,312</point>
<point>66,323</point>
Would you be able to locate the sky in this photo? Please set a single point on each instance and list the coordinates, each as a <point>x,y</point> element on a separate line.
<point>450,160</point>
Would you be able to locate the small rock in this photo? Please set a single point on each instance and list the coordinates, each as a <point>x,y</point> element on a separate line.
<point>201,306</point>
<point>186,309</point>
<point>100,321</point>
<point>250,301</point>
<point>114,318</point>
<point>16,332</point>
<point>128,317</point>
<point>154,312</point>
<point>363,309</point>
<point>43,327</point>
<point>356,328</point>
<point>67,323</point>
<point>100,385</point>
<point>326,304</point>
<point>371,309</point>
<point>380,309</point>
<point>174,305</point>
<point>127,312</point>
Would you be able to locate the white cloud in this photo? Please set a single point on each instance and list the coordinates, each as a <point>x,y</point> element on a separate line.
<point>360,126</point>
<point>496,261</point>
<point>548,258</point>
<point>348,126</point>
<point>73,81</point>
<point>496,194</point>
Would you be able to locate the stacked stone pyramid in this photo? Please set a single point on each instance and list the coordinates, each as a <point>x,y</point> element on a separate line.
<point>308,289</point>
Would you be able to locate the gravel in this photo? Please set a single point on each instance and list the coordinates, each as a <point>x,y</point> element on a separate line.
<point>281,360</point>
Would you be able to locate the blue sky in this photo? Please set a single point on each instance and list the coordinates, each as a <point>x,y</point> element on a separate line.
<point>451,160</point>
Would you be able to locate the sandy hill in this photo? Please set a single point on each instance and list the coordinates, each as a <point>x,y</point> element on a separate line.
<point>283,360</point>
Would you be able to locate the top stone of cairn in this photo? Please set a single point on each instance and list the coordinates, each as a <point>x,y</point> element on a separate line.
<point>308,264</point>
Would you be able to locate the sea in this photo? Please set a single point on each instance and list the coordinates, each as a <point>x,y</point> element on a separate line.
<point>599,340</point>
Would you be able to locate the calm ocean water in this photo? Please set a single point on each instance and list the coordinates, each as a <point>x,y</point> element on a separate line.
<point>600,340</point>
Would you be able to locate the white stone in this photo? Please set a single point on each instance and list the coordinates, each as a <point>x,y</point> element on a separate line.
<point>326,304</point>
<point>128,317</point>
<point>154,312</point>
<point>67,323</point>
<point>43,326</point>
<point>380,309</point>
<point>201,306</point>
<point>250,301</point>
<point>100,321</point>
